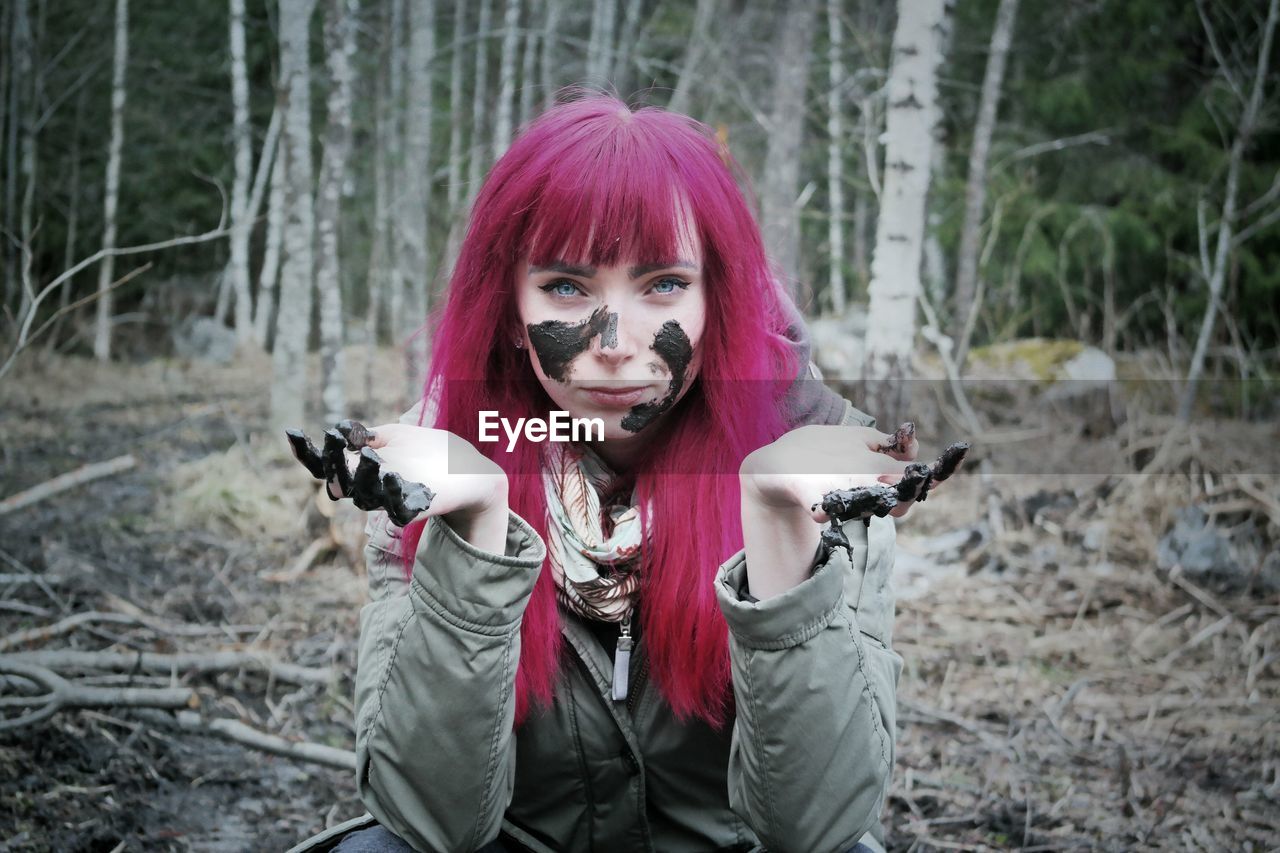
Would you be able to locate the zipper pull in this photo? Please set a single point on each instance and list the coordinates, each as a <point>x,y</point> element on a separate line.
<point>622,660</point>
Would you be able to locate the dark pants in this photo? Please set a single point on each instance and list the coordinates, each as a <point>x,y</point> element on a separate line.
<point>379,839</point>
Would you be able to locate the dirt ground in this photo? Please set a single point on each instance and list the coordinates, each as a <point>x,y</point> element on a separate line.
<point>1060,691</point>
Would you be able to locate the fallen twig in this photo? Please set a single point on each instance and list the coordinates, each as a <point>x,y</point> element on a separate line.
<point>65,694</point>
<point>181,662</point>
<point>69,480</point>
<point>234,730</point>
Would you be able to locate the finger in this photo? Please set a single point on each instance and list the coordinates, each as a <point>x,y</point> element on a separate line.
<point>892,472</point>
<point>950,460</point>
<point>305,452</point>
<point>900,444</point>
<point>335,463</point>
<point>366,493</point>
<point>356,434</point>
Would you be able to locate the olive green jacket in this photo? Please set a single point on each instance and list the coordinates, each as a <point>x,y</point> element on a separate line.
<point>805,766</point>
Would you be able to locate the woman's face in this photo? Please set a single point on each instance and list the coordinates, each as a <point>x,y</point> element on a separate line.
<point>619,343</point>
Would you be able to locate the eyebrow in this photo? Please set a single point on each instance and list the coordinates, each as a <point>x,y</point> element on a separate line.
<point>589,272</point>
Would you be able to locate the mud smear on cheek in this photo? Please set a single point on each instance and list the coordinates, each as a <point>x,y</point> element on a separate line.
<point>558,343</point>
<point>673,347</point>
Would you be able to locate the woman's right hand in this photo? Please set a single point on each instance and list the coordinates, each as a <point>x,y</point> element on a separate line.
<point>466,488</point>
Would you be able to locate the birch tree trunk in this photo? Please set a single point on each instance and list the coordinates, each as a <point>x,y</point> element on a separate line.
<point>550,46</point>
<point>975,192</point>
<point>416,271</point>
<point>895,266</point>
<point>626,47</point>
<point>1216,274</point>
<point>835,159</point>
<point>780,218</point>
<point>340,48</point>
<point>240,222</point>
<point>506,78</point>
<point>396,199</point>
<point>18,78</point>
<point>457,114</point>
<point>264,307</point>
<point>111,195</point>
<point>528,85</point>
<point>693,56</point>
<point>293,322</point>
<point>600,43</point>
<point>478,97</point>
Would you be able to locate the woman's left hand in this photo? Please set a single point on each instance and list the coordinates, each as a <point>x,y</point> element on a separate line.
<point>783,481</point>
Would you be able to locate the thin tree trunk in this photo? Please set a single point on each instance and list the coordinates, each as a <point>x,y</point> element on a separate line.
<point>395,150</point>
<point>507,78</point>
<point>975,193</point>
<point>297,278</point>
<point>626,47</point>
<point>780,217</point>
<point>835,159</point>
<point>240,222</point>
<point>550,47</point>
<point>478,97</point>
<point>73,223</point>
<point>19,77</point>
<point>860,253</point>
<point>456,116</point>
<point>264,307</point>
<point>527,84</point>
<point>895,267</point>
<point>1222,253</point>
<point>30,160</point>
<point>111,196</point>
<point>417,271</point>
<point>695,52</point>
<point>340,48</point>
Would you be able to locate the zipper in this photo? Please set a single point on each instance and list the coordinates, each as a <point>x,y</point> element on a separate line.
<point>622,660</point>
<point>639,684</point>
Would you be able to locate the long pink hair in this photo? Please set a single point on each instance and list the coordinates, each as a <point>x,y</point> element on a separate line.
<point>591,181</point>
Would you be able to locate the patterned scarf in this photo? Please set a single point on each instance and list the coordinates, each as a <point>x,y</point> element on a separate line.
<point>594,549</point>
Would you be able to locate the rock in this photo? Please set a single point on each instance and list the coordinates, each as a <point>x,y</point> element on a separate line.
<point>1095,536</point>
<point>838,343</point>
<point>1204,555</point>
<point>204,339</point>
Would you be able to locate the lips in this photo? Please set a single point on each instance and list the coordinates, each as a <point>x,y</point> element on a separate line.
<point>617,398</point>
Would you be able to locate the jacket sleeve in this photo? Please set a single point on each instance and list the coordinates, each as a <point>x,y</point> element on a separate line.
<point>814,678</point>
<point>435,675</point>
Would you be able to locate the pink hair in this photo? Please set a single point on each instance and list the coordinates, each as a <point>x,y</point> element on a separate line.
<point>591,181</point>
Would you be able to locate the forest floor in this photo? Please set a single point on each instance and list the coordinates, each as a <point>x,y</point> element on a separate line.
<point>1059,692</point>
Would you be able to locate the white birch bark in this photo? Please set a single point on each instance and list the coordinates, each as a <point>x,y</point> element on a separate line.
<point>297,276</point>
<point>479,96</point>
<point>340,48</point>
<point>17,78</point>
<point>626,47</point>
<point>835,159</point>
<point>975,193</point>
<point>528,85</point>
<point>895,266</point>
<point>457,115</point>
<point>269,275</point>
<point>417,271</point>
<point>241,224</point>
<point>111,194</point>
<point>780,216</point>
<point>694,54</point>
<point>1216,273</point>
<point>550,46</point>
<point>506,78</point>
<point>395,156</point>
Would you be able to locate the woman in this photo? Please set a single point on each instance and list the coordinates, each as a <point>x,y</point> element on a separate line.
<point>634,643</point>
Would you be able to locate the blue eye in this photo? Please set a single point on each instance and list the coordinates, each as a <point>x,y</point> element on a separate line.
<point>561,288</point>
<point>661,285</point>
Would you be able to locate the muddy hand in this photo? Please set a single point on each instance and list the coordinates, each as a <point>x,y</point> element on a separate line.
<point>369,487</point>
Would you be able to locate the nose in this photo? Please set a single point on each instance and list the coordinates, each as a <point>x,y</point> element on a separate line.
<point>618,343</point>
